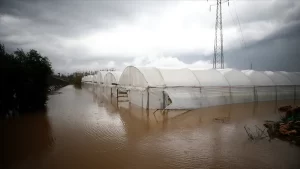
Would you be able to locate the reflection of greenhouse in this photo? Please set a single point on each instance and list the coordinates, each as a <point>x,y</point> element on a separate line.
<point>157,88</point>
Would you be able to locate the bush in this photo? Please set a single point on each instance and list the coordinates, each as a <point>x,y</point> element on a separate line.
<point>24,80</point>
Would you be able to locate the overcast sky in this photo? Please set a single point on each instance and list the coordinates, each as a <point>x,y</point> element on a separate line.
<point>91,35</point>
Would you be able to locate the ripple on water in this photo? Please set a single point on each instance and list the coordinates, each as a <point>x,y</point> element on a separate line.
<point>78,132</point>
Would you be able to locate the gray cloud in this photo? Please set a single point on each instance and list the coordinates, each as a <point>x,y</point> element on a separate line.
<point>56,28</point>
<point>67,17</point>
<point>279,51</point>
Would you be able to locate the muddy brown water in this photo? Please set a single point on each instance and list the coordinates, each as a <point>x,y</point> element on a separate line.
<point>81,130</point>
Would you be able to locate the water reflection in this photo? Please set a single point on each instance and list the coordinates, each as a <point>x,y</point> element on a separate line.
<point>84,129</point>
<point>26,140</point>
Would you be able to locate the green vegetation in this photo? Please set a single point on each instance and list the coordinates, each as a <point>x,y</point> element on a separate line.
<point>75,78</point>
<point>24,84</point>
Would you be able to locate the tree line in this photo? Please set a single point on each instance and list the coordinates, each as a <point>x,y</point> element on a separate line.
<point>75,78</point>
<point>24,85</point>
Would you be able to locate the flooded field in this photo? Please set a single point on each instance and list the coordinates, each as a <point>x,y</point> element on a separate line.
<point>81,130</point>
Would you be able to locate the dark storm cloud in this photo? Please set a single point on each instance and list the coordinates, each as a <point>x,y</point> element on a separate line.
<point>266,10</point>
<point>53,28</point>
<point>43,25</point>
<point>279,51</point>
<point>68,17</point>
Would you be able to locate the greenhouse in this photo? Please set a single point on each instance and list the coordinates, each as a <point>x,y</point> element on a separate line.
<point>160,88</point>
<point>111,80</point>
<point>87,79</point>
<point>99,77</point>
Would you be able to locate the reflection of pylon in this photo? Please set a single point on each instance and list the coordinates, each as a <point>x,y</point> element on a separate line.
<point>218,59</point>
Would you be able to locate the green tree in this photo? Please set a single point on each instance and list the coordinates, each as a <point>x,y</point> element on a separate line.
<point>24,86</point>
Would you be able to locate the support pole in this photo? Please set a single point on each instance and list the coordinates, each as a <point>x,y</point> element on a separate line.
<point>230,95</point>
<point>142,100</point>
<point>147,98</point>
<point>164,100</point>
<point>111,93</point>
<point>117,97</point>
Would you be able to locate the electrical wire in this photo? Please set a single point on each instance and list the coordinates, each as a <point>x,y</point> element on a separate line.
<point>242,35</point>
<point>236,24</point>
<point>239,24</point>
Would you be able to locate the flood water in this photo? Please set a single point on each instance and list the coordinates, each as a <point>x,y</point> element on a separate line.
<point>81,130</point>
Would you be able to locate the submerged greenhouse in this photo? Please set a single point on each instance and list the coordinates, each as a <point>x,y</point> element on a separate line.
<point>111,81</point>
<point>161,88</point>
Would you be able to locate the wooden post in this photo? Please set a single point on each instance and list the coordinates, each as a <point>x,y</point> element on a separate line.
<point>147,98</point>
<point>117,97</point>
<point>230,94</point>
<point>164,100</point>
<point>200,103</point>
<point>142,100</point>
<point>111,96</point>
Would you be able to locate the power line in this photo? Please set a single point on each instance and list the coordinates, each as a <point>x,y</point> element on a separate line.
<point>243,39</point>
<point>236,24</point>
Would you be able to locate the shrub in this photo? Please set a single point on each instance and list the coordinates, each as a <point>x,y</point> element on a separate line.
<point>24,84</point>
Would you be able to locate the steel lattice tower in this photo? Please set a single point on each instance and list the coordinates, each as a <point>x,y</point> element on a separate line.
<point>218,60</point>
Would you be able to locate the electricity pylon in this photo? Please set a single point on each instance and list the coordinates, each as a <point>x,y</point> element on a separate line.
<point>218,58</point>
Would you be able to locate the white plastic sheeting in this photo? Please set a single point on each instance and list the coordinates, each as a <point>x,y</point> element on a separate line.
<point>88,78</point>
<point>258,78</point>
<point>100,77</point>
<point>161,88</point>
<point>265,89</point>
<point>94,79</point>
<point>210,77</point>
<point>178,77</point>
<point>193,88</point>
<point>112,78</point>
<point>278,79</point>
<point>236,78</point>
<point>157,77</point>
<point>284,87</point>
<point>295,79</point>
<point>141,77</point>
<point>241,87</point>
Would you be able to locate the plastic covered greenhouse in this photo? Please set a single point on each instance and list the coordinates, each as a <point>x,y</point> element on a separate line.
<point>87,79</point>
<point>99,77</point>
<point>111,81</point>
<point>160,88</point>
<point>112,78</point>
